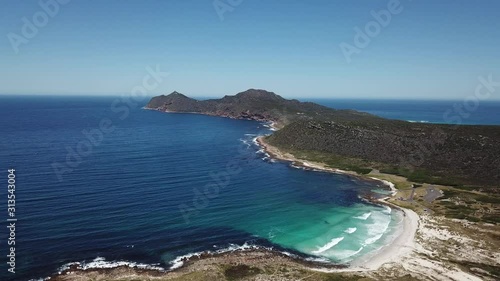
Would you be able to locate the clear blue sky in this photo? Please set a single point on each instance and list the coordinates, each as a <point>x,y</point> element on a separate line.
<point>431,49</point>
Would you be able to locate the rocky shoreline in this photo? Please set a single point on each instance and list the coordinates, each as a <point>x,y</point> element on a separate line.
<point>247,257</point>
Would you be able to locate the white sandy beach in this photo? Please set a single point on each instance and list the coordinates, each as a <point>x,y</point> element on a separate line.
<point>401,246</point>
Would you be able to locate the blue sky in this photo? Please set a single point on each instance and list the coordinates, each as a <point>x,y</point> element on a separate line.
<point>429,50</point>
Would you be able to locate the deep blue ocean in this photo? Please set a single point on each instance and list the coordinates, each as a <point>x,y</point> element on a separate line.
<point>151,187</point>
<point>436,111</point>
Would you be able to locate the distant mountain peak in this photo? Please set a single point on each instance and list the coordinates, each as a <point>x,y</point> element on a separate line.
<point>259,94</point>
<point>176,95</point>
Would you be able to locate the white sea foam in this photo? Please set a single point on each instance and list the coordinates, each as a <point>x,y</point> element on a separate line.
<point>179,261</point>
<point>318,259</point>
<point>421,121</point>
<point>101,262</point>
<point>351,230</point>
<point>389,184</point>
<point>373,239</point>
<point>266,155</point>
<point>245,142</point>
<point>328,245</point>
<point>364,216</point>
<point>377,229</point>
<point>270,126</point>
<point>345,254</point>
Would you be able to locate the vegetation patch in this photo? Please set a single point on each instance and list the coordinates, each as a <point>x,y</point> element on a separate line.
<point>471,206</point>
<point>495,219</point>
<point>335,161</point>
<point>492,271</point>
<point>238,272</point>
<point>339,277</point>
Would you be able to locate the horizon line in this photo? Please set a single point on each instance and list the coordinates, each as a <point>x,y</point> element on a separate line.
<point>211,96</point>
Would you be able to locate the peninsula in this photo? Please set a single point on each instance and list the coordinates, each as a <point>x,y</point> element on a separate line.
<point>465,156</point>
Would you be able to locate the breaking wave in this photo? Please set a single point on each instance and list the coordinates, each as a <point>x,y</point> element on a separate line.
<point>364,216</point>
<point>101,262</point>
<point>328,245</point>
<point>351,230</point>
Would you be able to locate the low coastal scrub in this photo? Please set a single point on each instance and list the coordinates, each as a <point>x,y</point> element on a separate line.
<point>471,206</point>
<point>454,157</point>
<point>487,271</point>
<point>491,218</point>
<point>241,271</point>
<point>334,161</point>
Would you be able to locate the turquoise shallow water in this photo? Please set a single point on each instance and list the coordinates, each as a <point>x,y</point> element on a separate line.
<point>339,234</point>
<point>333,228</point>
<point>162,186</point>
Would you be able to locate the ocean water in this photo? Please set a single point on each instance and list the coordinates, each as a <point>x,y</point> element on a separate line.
<point>162,186</point>
<point>486,112</point>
